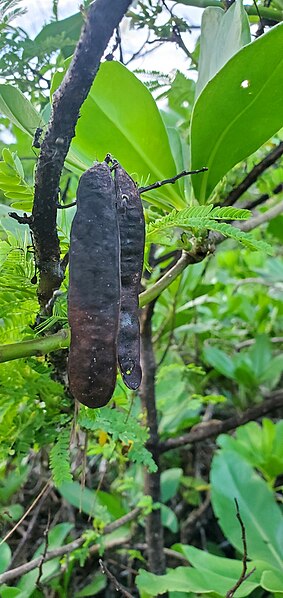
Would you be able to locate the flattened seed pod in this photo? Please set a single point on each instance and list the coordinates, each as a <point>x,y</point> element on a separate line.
<point>94,290</point>
<point>132,234</point>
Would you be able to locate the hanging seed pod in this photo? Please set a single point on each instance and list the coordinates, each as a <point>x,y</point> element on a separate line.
<point>94,290</point>
<point>132,235</point>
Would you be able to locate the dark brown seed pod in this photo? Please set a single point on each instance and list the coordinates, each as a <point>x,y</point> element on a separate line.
<point>94,290</point>
<point>132,234</point>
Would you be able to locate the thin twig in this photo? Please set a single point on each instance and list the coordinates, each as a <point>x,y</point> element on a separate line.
<point>171,181</point>
<point>26,513</point>
<point>212,428</point>
<point>251,341</point>
<point>250,205</point>
<point>71,546</point>
<point>244,575</point>
<point>117,586</point>
<point>162,284</point>
<point>261,218</point>
<point>30,527</point>
<point>45,535</point>
<point>253,175</point>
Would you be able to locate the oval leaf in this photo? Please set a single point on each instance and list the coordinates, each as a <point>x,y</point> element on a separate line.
<point>230,118</point>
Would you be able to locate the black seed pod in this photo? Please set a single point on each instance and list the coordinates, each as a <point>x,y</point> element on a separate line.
<point>132,234</point>
<point>94,290</point>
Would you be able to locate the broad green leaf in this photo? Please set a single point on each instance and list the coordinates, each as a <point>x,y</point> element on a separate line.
<point>223,33</point>
<point>230,119</point>
<point>8,592</point>
<point>69,27</point>
<point>121,117</point>
<point>5,556</point>
<point>260,354</point>
<point>219,361</point>
<point>169,519</point>
<point>261,446</point>
<point>232,477</point>
<point>204,561</point>
<point>18,109</point>
<point>170,481</point>
<point>97,585</point>
<point>272,581</point>
<point>86,500</point>
<point>273,371</point>
<point>56,538</point>
<point>188,579</point>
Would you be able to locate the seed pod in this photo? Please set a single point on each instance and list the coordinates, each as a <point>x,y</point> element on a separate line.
<point>94,290</point>
<point>132,233</point>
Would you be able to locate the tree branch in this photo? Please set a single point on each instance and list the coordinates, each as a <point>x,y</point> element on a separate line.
<point>253,175</point>
<point>70,547</point>
<point>37,346</point>
<point>261,218</point>
<point>214,428</point>
<point>250,205</point>
<point>102,19</point>
<point>153,525</point>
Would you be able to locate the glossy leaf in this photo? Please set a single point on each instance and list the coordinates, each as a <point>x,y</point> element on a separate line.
<point>169,519</point>
<point>70,28</point>
<point>261,515</point>
<point>120,117</point>
<point>223,33</point>
<point>86,500</point>
<point>230,119</point>
<point>220,361</point>
<point>56,538</point>
<point>188,579</point>
<point>5,556</point>
<point>261,446</point>
<point>170,481</point>
<point>272,581</point>
<point>97,585</point>
<point>18,109</point>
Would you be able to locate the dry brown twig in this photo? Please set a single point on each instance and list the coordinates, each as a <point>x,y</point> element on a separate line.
<point>244,575</point>
<point>117,586</point>
<point>71,546</point>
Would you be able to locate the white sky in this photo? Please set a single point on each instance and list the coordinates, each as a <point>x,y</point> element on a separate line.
<point>165,59</point>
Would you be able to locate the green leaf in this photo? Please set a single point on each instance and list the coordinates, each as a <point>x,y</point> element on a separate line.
<point>187,579</point>
<point>170,482</point>
<point>260,354</point>
<point>113,422</point>
<point>223,33</point>
<point>225,123</point>
<point>261,446</point>
<point>169,519</point>
<point>219,361</point>
<point>69,27</point>
<point>8,592</point>
<point>86,500</point>
<point>60,458</point>
<point>232,477</point>
<point>5,556</point>
<point>272,581</point>
<point>18,109</point>
<point>246,239</point>
<point>98,584</point>
<point>56,538</point>
<point>121,117</point>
